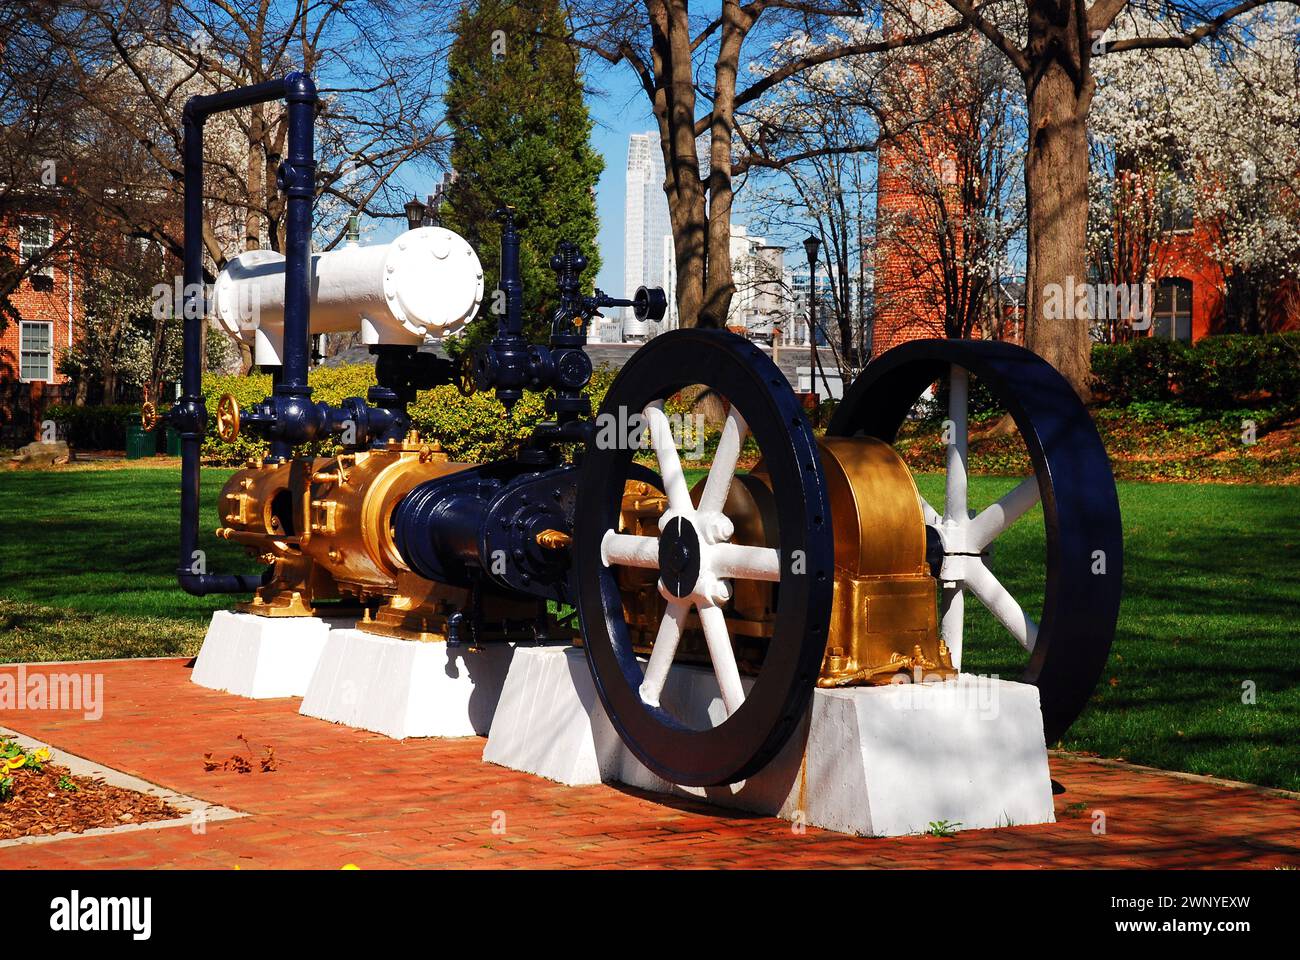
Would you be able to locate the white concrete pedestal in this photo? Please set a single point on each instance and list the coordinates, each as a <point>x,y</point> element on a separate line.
<point>550,720</point>
<point>259,657</point>
<point>406,688</point>
<point>876,761</point>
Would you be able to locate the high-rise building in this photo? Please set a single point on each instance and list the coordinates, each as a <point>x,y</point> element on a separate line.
<point>649,255</point>
<point>647,231</point>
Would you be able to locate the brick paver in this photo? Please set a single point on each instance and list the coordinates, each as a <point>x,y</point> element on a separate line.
<point>345,796</point>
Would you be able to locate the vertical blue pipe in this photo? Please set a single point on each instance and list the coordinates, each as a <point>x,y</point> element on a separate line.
<point>189,415</point>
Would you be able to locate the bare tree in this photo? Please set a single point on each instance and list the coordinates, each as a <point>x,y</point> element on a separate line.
<point>133,63</point>
<point>689,68</point>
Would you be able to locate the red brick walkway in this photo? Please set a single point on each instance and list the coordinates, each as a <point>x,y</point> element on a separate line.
<point>343,796</point>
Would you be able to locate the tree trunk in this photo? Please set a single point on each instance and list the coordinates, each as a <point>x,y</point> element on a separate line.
<point>255,180</point>
<point>674,107</point>
<point>1056,195</point>
<point>719,285</point>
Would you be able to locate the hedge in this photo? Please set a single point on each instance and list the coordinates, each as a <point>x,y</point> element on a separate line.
<point>1216,373</point>
<point>471,429</point>
<point>93,428</point>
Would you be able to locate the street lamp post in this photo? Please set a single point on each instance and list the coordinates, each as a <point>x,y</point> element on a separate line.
<point>811,246</point>
<point>414,213</point>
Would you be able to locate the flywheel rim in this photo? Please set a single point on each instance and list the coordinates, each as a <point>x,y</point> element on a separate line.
<point>775,704</point>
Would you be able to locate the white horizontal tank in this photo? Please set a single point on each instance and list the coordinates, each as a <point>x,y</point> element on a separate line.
<point>426,284</point>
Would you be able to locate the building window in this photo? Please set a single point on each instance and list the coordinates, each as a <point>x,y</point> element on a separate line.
<point>35,237</point>
<point>36,350</point>
<point>1176,213</point>
<point>1173,313</point>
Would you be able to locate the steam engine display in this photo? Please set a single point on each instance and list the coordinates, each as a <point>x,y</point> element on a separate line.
<point>793,561</point>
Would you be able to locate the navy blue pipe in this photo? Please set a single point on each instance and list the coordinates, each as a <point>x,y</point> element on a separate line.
<point>189,416</point>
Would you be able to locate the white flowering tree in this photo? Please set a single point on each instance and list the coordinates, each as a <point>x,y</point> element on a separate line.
<point>1213,131</point>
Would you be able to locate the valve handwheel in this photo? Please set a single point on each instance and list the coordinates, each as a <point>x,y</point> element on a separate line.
<point>227,418</point>
<point>148,415</point>
<point>697,560</point>
<point>465,374</point>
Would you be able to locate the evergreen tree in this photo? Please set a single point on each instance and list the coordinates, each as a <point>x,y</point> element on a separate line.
<point>521,136</point>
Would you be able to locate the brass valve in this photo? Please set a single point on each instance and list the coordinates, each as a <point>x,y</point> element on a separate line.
<point>554,539</point>
<point>465,375</point>
<point>228,418</point>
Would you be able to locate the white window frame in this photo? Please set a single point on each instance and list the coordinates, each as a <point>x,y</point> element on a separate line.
<point>49,354</point>
<point>47,270</point>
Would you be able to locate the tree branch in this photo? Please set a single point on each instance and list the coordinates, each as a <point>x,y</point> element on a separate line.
<point>1187,40</point>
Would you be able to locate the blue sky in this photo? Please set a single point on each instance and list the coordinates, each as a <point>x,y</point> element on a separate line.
<point>618,108</point>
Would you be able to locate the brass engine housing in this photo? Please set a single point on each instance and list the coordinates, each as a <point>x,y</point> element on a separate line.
<point>883,624</point>
<point>326,525</point>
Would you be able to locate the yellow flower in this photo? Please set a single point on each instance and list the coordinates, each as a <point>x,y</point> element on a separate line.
<point>14,764</point>
<point>42,755</point>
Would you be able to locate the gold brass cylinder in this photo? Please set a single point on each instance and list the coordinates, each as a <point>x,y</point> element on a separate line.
<point>326,522</point>
<point>883,615</point>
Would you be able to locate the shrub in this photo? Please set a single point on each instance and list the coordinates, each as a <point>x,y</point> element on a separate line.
<point>1217,373</point>
<point>1140,371</point>
<point>93,428</point>
<point>1227,371</point>
<point>470,429</point>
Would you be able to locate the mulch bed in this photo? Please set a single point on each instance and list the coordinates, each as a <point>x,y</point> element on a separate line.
<point>40,806</point>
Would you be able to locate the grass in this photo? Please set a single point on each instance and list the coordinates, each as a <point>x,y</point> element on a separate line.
<point>87,561</point>
<point>1211,599</point>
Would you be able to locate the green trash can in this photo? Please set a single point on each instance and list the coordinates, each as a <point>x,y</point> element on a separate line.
<point>139,441</point>
<point>172,442</point>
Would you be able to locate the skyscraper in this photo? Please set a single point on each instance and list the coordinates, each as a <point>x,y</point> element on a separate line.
<point>647,231</point>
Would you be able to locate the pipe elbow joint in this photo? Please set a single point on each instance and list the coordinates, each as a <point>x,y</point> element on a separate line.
<point>298,86</point>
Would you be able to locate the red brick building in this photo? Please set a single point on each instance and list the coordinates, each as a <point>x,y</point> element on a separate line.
<point>1191,284</point>
<point>49,306</point>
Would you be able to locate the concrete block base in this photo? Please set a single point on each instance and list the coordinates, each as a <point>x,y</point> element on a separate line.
<point>875,761</point>
<point>406,688</point>
<point>260,657</point>
<point>550,721</point>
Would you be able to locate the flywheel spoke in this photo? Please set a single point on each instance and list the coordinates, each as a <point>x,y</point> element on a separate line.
<point>718,639</point>
<point>952,615</point>
<point>629,550</point>
<point>665,648</point>
<point>993,520</point>
<point>1000,603</point>
<point>670,464</point>
<point>735,561</point>
<point>718,484</point>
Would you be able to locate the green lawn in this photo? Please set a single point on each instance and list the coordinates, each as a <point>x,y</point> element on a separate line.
<point>1211,594</point>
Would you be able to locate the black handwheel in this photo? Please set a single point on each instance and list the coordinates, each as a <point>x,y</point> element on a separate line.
<point>1072,478</point>
<point>698,561</point>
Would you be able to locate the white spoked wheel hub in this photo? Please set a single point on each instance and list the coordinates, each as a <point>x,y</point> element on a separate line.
<point>694,556</point>
<point>967,536</point>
